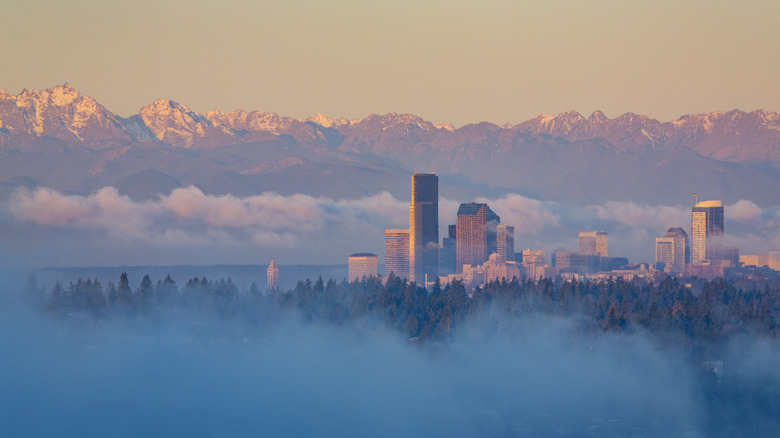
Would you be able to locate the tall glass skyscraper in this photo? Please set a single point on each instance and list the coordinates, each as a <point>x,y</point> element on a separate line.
<point>706,231</point>
<point>424,228</point>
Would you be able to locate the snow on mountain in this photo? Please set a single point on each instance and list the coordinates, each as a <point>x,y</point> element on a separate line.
<point>173,123</point>
<point>65,114</point>
<point>328,122</point>
<point>61,112</point>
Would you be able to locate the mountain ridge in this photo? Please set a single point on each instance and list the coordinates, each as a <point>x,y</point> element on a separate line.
<point>63,139</point>
<point>63,113</point>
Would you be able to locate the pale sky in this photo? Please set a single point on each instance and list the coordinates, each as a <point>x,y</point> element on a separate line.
<point>501,61</point>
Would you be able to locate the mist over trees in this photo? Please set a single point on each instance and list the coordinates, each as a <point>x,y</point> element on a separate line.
<point>653,358</point>
<point>699,323</point>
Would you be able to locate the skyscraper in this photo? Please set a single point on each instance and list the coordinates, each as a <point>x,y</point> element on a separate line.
<point>447,252</point>
<point>594,243</point>
<point>706,231</point>
<point>273,275</point>
<point>505,242</point>
<point>362,264</point>
<point>476,234</point>
<point>424,228</point>
<point>671,251</point>
<point>397,253</point>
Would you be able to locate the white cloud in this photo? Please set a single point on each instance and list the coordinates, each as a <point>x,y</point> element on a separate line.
<point>322,230</point>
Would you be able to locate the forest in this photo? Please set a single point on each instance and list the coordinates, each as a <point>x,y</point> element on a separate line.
<point>698,321</point>
<point>698,316</point>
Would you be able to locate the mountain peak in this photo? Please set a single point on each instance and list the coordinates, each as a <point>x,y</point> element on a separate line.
<point>62,95</point>
<point>571,114</point>
<point>597,117</point>
<point>325,121</point>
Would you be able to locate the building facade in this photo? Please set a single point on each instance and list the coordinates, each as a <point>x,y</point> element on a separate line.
<point>476,233</point>
<point>362,264</point>
<point>272,278</point>
<point>424,227</point>
<point>496,268</point>
<point>706,231</point>
<point>448,251</point>
<point>594,243</point>
<point>505,242</point>
<point>671,251</point>
<point>535,264</point>
<point>397,253</point>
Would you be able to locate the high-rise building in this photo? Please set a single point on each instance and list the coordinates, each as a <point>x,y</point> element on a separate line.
<point>362,264</point>
<point>397,253</point>
<point>671,251</point>
<point>593,243</point>
<point>706,231</point>
<point>424,228</point>
<point>476,234</point>
<point>448,251</point>
<point>273,276</point>
<point>505,242</point>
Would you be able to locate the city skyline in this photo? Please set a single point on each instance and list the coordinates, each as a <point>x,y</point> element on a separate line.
<point>530,171</point>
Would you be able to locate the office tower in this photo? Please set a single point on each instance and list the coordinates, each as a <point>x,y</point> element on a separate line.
<point>273,276</point>
<point>593,243</point>
<point>505,242</point>
<point>706,230</point>
<point>448,251</point>
<point>424,228</point>
<point>362,264</point>
<point>671,251</point>
<point>476,234</point>
<point>397,253</point>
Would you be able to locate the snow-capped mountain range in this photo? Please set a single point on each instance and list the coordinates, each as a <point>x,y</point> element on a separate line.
<point>567,156</point>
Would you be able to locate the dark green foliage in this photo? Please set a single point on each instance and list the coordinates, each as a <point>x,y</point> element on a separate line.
<point>667,309</point>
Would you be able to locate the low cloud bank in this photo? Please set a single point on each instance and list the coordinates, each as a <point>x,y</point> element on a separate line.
<point>200,378</point>
<point>109,228</point>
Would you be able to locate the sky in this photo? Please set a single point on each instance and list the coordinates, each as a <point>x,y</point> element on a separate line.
<point>501,61</point>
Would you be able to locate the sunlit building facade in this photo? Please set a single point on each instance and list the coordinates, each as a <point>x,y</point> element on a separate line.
<point>362,264</point>
<point>594,243</point>
<point>397,253</point>
<point>671,251</point>
<point>272,276</point>
<point>706,231</point>
<point>476,233</point>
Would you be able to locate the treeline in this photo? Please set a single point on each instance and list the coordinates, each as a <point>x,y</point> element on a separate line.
<point>666,308</point>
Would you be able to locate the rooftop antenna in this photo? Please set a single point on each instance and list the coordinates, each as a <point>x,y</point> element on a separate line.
<point>695,199</point>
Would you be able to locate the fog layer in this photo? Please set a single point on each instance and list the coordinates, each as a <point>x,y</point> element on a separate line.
<point>48,228</point>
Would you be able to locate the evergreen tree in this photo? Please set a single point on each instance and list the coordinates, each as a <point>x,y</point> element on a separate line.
<point>123,291</point>
<point>412,327</point>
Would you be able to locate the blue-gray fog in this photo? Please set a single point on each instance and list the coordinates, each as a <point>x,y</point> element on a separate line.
<point>71,375</point>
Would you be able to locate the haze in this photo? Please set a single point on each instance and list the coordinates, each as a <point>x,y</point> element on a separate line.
<point>500,61</point>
